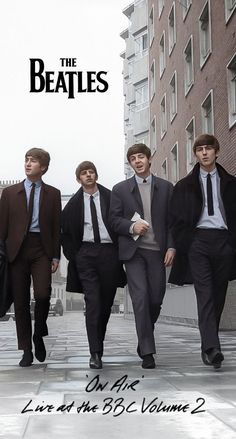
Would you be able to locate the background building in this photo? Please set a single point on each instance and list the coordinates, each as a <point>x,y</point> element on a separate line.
<point>192,81</point>
<point>191,90</point>
<point>135,77</point>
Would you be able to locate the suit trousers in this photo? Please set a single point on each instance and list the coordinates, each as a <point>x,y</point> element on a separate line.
<point>31,261</point>
<point>98,269</point>
<point>210,259</point>
<point>146,277</point>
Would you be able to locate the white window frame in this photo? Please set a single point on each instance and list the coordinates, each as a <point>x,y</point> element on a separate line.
<point>151,25</point>
<point>231,86</point>
<point>164,169</point>
<point>152,80</point>
<point>189,145</point>
<point>141,91</point>
<point>188,75</point>
<point>205,45</point>
<point>143,51</point>
<point>185,7</point>
<point>142,138</point>
<point>172,29</point>
<point>153,134</point>
<point>175,169</point>
<point>163,116</point>
<point>230,7</point>
<point>161,4</point>
<point>173,97</point>
<point>162,54</point>
<point>204,114</point>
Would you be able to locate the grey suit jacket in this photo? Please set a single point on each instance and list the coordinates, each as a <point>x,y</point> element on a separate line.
<point>126,200</point>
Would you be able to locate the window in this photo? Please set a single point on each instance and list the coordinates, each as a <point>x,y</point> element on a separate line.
<point>205,34</point>
<point>185,7</point>
<point>207,114</point>
<point>190,136</point>
<point>130,67</point>
<point>161,4</point>
<point>141,44</point>
<point>172,29</point>
<point>230,7</point>
<point>141,95</point>
<point>174,164</point>
<point>153,145</point>
<point>173,96</point>
<point>163,116</point>
<point>151,25</point>
<point>188,66</point>
<point>162,60</point>
<point>231,81</point>
<point>152,80</point>
<point>164,170</point>
<point>142,138</point>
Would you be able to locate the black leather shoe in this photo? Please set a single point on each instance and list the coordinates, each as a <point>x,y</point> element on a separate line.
<point>40,351</point>
<point>27,359</point>
<point>213,357</point>
<point>95,361</point>
<point>205,358</point>
<point>148,362</point>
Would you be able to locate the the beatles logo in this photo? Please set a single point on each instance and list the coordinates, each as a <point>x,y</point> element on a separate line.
<point>69,81</point>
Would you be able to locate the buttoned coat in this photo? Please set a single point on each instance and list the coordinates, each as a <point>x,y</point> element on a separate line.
<point>14,219</point>
<point>126,200</point>
<point>186,209</point>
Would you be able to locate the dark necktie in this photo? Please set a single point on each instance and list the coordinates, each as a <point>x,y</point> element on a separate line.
<point>144,180</point>
<point>209,196</point>
<point>94,220</point>
<point>31,206</point>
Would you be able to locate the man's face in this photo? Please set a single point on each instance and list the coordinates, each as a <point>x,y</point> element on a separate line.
<point>88,178</point>
<point>206,156</point>
<point>33,169</point>
<point>140,164</point>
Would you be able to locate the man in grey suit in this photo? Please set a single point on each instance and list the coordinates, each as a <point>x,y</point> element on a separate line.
<point>139,215</point>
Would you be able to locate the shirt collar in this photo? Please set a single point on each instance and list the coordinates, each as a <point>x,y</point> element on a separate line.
<point>95,195</point>
<point>204,173</point>
<point>139,180</point>
<point>28,183</point>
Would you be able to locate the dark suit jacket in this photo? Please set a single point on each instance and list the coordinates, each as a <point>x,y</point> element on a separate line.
<point>6,298</point>
<point>73,229</point>
<point>186,209</point>
<point>126,200</point>
<point>13,219</point>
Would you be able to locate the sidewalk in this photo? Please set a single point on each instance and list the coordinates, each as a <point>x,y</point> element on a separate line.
<point>63,398</point>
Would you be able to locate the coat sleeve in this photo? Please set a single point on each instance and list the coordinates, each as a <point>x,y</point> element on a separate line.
<point>170,240</point>
<point>66,237</point>
<point>56,226</point>
<point>118,222</point>
<point>4,214</point>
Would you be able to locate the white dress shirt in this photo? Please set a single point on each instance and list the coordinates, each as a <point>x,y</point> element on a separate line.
<point>88,227</point>
<point>215,221</point>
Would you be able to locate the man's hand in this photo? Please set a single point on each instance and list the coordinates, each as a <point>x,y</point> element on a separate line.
<point>54,265</point>
<point>169,257</point>
<point>140,228</point>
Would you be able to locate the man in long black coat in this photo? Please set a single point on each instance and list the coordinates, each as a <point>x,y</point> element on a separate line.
<point>91,248</point>
<point>203,224</point>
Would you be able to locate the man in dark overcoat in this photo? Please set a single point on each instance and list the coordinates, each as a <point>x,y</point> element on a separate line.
<point>91,248</point>
<point>203,223</point>
<point>30,230</point>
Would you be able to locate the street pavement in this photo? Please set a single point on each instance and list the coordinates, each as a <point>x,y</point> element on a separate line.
<point>63,398</point>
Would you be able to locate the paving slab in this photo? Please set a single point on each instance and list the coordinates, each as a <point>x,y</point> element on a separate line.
<point>63,398</point>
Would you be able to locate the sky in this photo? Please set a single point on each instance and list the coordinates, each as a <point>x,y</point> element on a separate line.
<point>89,127</point>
